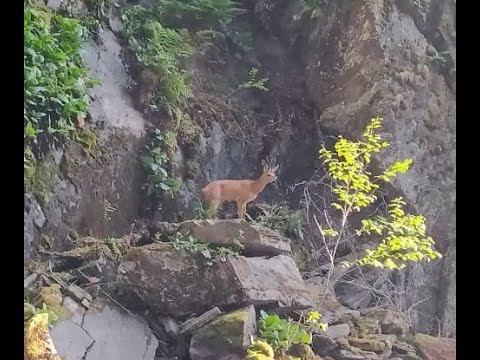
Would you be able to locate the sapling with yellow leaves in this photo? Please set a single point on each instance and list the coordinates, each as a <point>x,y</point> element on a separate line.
<point>403,237</point>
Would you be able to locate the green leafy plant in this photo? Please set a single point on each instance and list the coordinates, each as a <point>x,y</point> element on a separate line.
<point>404,238</point>
<point>254,82</point>
<point>160,49</point>
<point>31,308</point>
<point>204,213</point>
<point>155,162</point>
<point>282,218</point>
<point>112,244</point>
<point>56,83</point>
<point>354,186</point>
<point>282,334</point>
<point>210,252</point>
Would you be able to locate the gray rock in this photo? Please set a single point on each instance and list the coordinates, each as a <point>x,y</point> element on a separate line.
<point>170,325</point>
<point>225,338</point>
<point>372,345</point>
<point>348,355</point>
<point>33,220</point>
<point>103,332</point>
<point>390,322</point>
<point>193,324</point>
<point>268,281</point>
<point>418,107</point>
<point>337,331</point>
<point>323,345</point>
<point>435,348</point>
<point>367,326</point>
<point>112,103</point>
<point>257,241</point>
<point>72,342</point>
<point>76,6</point>
<point>176,282</point>
<point>353,295</point>
<point>114,20</point>
<point>402,348</point>
<point>29,280</point>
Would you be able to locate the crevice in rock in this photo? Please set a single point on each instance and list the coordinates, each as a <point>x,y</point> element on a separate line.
<point>87,350</point>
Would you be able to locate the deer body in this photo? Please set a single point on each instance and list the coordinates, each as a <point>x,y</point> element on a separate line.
<point>240,191</point>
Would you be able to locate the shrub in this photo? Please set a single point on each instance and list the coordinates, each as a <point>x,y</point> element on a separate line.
<point>404,240</point>
<point>56,83</point>
<point>403,236</point>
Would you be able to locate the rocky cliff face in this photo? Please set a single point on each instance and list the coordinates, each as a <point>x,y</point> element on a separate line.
<point>330,71</point>
<point>397,59</point>
<point>169,302</point>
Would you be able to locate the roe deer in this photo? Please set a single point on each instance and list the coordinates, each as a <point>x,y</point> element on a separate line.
<point>240,191</point>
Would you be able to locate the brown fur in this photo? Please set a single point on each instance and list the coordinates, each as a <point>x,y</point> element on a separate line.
<point>240,191</point>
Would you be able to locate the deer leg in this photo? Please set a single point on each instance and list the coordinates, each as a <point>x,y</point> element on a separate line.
<point>244,210</point>
<point>240,206</point>
<point>213,208</point>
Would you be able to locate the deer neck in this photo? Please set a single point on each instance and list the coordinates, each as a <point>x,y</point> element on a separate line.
<point>258,185</point>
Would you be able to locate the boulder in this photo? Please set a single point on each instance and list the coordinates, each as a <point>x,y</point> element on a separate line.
<point>359,355</point>
<point>193,324</point>
<point>103,332</point>
<point>275,281</point>
<point>303,352</point>
<point>435,348</point>
<point>368,344</point>
<point>337,331</point>
<point>170,325</point>
<point>323,345</point>
<point>367,326</point>
<point>225,338</point>
<point>402,348</point>
<point>257,241</point>
<point>175,282</point>
<point>332,311</point>
<point>391,322</point>
<point>389,340</point>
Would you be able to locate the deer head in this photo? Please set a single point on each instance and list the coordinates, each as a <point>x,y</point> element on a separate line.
<point>269,173</point>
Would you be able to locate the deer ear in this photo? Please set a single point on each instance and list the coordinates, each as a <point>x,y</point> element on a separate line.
<point>275,168</point>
